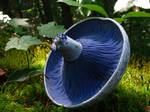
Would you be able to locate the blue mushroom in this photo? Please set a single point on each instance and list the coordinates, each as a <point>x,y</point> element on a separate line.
<point>86,63</point>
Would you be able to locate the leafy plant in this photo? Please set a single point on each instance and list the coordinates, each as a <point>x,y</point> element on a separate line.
<point>22,43</point>
<point>136,14</point>
<point>92,7</point>
<point>50,29</point>
<point>19,22</point>
<point>132,14</point>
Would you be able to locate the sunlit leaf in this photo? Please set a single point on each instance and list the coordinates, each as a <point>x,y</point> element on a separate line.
<point>136,14</point>
<point>92,7</point>
<point>50,30</point>
<point>22,43</point>
<point>96,8</point>
<point>120,20</point>
<point>20,22</point>
<point>24,74</point>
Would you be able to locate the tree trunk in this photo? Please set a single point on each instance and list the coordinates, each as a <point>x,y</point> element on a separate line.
<point>5,7</point>
<point>66,15</point>
<point>109,6</point>
<point>39,8</point>
<point>47,10</point>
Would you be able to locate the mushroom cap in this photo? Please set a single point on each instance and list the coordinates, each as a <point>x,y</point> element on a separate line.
<point>98,69</point>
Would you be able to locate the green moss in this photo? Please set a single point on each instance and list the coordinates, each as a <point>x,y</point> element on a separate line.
<point>131,95</point>
<point>15,59</point>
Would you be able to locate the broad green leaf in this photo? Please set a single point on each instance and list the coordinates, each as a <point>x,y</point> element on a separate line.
<point>24,74</point>
<point>20,22</point>
<point>95,8</point>
<point>50,30</point>
<point>136,14</point>
<point>22,43</point>
<point>19,30</point>
<point>92,7</point>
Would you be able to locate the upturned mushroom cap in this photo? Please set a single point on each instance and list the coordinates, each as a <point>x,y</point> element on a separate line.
<point>102,59</point>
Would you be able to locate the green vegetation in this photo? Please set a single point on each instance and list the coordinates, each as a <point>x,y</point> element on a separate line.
<point>131,95</point>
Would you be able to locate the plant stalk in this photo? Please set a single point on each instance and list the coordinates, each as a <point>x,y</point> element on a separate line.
<point>27,57</point>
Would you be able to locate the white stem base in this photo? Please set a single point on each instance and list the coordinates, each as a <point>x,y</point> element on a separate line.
<point>71,49</point>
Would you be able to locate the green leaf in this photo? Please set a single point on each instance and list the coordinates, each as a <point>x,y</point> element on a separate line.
<point>120,20</point>
<point>22,43</point>
<point>24,74</point>
<point>50,30</point>
<point>95,8</point>
<point>92,7</point>
<point>136,14</point>
<point>19,30</point>
<point>20,22</point>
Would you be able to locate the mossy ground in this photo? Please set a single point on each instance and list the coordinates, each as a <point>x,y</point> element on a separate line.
<point>131,95</point>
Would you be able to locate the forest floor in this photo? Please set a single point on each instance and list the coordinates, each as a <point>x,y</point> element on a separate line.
<point>131,95</point>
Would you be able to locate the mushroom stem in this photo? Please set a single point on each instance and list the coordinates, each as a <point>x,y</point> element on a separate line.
<point>70,48</point>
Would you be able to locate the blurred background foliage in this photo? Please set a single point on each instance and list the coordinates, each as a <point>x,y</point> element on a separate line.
<point>43,19</point>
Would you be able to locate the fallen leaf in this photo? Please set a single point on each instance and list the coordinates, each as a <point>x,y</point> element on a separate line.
<point>147,108</point>
<point>2,72</point>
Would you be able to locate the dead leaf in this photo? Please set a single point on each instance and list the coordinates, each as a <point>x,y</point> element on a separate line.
<point>2,72</point>
<point>147,108</point>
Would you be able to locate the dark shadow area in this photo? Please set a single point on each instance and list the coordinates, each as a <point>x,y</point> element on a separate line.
<point>118,101</point>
